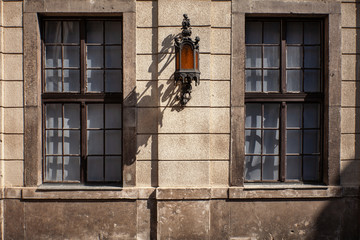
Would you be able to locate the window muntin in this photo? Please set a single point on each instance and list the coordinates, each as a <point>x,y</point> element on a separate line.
<point>82,100</point>
<point>284,100</point>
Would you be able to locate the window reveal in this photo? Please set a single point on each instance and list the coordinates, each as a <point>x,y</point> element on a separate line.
<point>284,100</point>
<point>82,100</point>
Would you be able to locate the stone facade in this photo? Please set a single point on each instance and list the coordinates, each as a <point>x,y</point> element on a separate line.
<point>182,166</point>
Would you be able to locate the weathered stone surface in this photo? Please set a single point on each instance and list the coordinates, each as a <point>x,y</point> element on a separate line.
<point>221,14</point>
<point>219,173</point>
<point>349,66</point>
<point>350,94</point>
<point>146,40</point>
<point>13,173</point>
<point>350,172</point>
<point>219,220</point>
<point>350,118</point>
<point>146,13</point>
<point>14,120</point>
<point>220,67</point>
<point>13,94</point>
<point>349,14</point>
<point>146,67</point>
<point>13,40</point>
<point>13,67</point>
<point>220,40</point>
<point>350,146</point>
<point>14,224</point>
<point>12,142</point>
<point>12,13</point>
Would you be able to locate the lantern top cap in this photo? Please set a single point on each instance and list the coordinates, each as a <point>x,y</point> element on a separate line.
<point>186,28</point>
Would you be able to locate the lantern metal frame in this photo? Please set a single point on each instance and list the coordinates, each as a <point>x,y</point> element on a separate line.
<point>186,75</point>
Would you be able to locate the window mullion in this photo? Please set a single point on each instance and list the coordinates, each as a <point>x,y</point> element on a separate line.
<point>82,57</point>
<point>83,163</point>
<point>283,141</point>
<point>283,57</point>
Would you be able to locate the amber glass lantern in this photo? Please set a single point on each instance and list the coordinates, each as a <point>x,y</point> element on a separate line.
<point>187,61</point>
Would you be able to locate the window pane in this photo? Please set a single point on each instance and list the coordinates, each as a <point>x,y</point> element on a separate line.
<point>312,81</point>
<point>113,144</point>
<point>271,141</point>
<point>94,32</point>
<point>95,169</point>
<point>294,33</point>
<point>293,144</point>
<point>52,31</point>
<point>311,168</point>
<point>95,80</point>
<point>253,32</point>
<point>72,168</point>
<point>252,141</point>
<point>271,32</point>
<point>271,80</point>
<point>53,80</point>
<point>312,57</point>
<point>94,57</point>
<point>54,142</point>
<point>294,115</point>
<point>253,80</point>
<point>113,81</point>
<point>293,167</point>
<point>53,168</point>
<point>271,57</point>
<point>112,168</point>
<point>113,57</point>
<point>71,56</point>
<point>311,141</point>
<point>72,142</point>
<point>270,168</point>
<point>311,116</point>
<point>53,116</point>
<point>113,116</point>
<point>253,115</point>
<point>294,80</point>
<point>95,117</point>
<point>312,33</point>
<point>71,81</point>
<point>95,142</point>
<point>71,32</point>
<point>253,57</point>
<point>113,32</point>
<point>53,56</point>
<point>271,115</point>
<point>71,116</point>
<point>252,167</point>
<point>294,57</point>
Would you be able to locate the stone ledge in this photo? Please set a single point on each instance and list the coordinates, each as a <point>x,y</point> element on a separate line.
<point>191,193</point>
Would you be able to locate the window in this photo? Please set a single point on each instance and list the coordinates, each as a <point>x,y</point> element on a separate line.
<point>283,100</point>
<point>82,100</point>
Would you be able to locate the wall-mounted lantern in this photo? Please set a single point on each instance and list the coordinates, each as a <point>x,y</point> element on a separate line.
<point>187,61</point>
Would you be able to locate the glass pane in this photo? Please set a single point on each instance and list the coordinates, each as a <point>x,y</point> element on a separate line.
<point>71,32</point>
<point>270,168</point>
<point>294,80</point>
<point>113,32</point>
<point>71,116</point>
<point>294,57</point>
<point>53,80</point>
<point>253,57</point>
<point>113,81</point>
<point>294,33</point>
<point>271,80</point>
<point>53,115</point>
<point>253,80</point>
<point>54,142</point>
<point>113,57</point>
<point>311,116</point>
<point>113,144</point>
<point>311,168</point>
<point>71,81</point>
<point>94,32</point>
<point>271,141</point>
<point>94,57</point>
<point>52,31</point>
<point>294,115</point>
<point>293,143</point>
<point>253,32</point>
<point>95,169</point>
<point>252,167</point>
<point>113,116</point>
<point>95,81</point>
<point>271,115</point>
<point>271,32</point>
<point>72,142</point>
<point>293,167</point>
<point>253,115</point>
<point>312,57</point>
<point>71,56</point>
<point>113,168</point>
<point>95,116</point>
<point>52,56</point>
<point>312,33</point>
<point>54,168</point>
<point>312,81</point>
<point>95,142</point>
<point>311,141</point>
<point>271,57</point>
<point>72,168</point>
<point>252,141</point>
